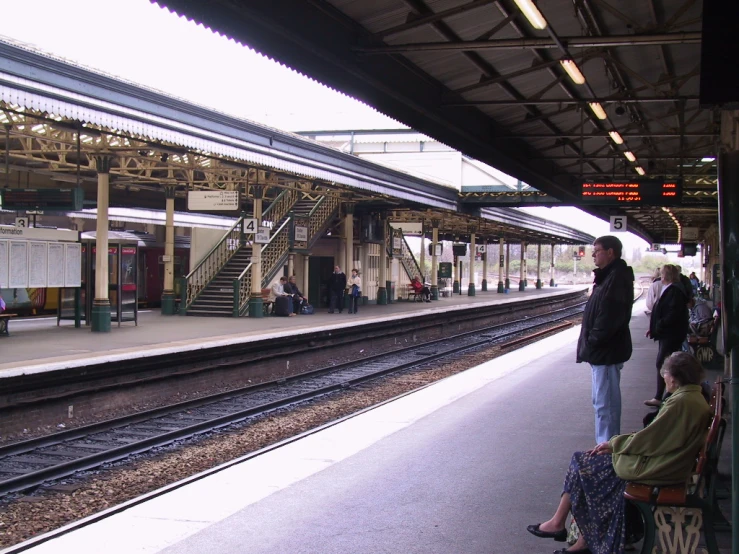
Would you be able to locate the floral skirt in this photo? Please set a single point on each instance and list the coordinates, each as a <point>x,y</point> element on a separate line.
<point>598,504</point>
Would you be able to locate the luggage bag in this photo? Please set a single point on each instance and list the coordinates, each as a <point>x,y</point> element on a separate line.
<point>283,305</point>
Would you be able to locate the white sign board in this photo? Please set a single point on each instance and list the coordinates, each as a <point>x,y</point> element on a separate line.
<point>55,268</point>
<point>690,234</point>
<point>31,233</point>
<point>3,263</point>
<point>18,266</point>
<point>37,264</point>
<point>21,222</point>
<point>262,236</point>
<point>212,200</point>
<point>251,226</point>
<point>480,248</point>
<point>301,233</point>
<point>397,244</point>
<point>73,265</point>
<point>408,227</point>
<point>618,224</point>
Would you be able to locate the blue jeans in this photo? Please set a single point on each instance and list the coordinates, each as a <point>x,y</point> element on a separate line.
<point>607,400</point>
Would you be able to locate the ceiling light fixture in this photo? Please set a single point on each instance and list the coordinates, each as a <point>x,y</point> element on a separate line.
<point>598,110</point>
<point>616,137</point>
<point>630,156</point>
<point>532,13</point>
<point>572,70</point>
<point>639,170</point>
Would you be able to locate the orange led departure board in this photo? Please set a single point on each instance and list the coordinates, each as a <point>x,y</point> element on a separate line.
<point>644,191</point>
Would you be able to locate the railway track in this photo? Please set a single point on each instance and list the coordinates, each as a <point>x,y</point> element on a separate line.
<point>28,464</point>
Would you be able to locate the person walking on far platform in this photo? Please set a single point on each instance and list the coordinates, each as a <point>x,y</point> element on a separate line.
<point>605,338</point>
<point>336,286</point>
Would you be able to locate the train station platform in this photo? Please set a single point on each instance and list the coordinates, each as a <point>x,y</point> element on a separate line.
<point>462,466</point>
<point>38,345</point>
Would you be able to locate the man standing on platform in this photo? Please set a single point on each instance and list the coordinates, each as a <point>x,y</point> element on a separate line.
<point>336,286</point>
<point>605,339</point>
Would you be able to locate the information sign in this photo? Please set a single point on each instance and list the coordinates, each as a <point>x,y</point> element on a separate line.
<point>65,200</point>
<point>262,236</point>
<point>213,200</point>
<point>301,233</point>
<point>649,192</point>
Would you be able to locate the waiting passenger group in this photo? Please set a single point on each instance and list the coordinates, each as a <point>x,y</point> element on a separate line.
<point>664,452</point>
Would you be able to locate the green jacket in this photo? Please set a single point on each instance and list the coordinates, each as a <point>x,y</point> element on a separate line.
<point>664,452</point>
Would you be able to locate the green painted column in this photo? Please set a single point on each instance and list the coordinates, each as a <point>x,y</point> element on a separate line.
<point>507,266</point>
<point>471,287</point>
<point>382,292</point>
<point>168,298</point>
<point>522,269</point>
<point>538,266</point>
<point>728,191</point>
<point>457,277</point>
<point>551,270</point>
<point>434,259</point>
<point>349,244</point>
<point>100,317</point>
<point>256,305</point>
<point>484,284</point>
<point>501,264</point>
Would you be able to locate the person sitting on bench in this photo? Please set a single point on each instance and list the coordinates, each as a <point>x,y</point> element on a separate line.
<point>421,291</point>
<point>663,453</point>
<point>701,317</point>
<point>278,289</point>
<point>298,299</point>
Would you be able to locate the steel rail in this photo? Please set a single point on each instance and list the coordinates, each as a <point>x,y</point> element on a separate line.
<point>35,478</point>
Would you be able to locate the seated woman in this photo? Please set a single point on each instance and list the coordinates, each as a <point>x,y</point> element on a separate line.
<point>421,290</point>
<point>663,453</point>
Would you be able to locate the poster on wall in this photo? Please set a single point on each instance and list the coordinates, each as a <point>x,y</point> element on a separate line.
<point>73,265</point>
<point>55,276</point>
<point>3,264</point>
<point>37,263</point>
<point>18,266</point>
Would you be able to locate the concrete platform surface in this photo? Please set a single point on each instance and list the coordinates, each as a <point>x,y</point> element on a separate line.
<point>37,344</point>
<point>459,467</point>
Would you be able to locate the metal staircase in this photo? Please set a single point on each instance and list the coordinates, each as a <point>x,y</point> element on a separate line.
<point>405,255</point>
<point>221,283</point>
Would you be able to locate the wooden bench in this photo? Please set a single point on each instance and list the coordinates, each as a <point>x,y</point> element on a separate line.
<point>266,302</point>
<point>4,320</point>
<point>412,295</point>
<point>676,514</point>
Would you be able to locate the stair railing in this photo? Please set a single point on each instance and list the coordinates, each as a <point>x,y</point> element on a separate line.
<point>211,264</point>
<point>281,206</point>
<point>408,260</point>
<point>320,217</point>
<point>274,254</point>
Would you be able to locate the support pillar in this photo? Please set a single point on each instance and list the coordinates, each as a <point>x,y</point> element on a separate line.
<point>522,269</point>
<point>501,263</point>
<point>456,277</point>
<point>256,306</point>
<point>422,257</point>
<point>728,191</point>
<point>551,270</point>
<point>484,285</point>
<point>538,266</point>
<point>168,297</point>
<point>382,292</point>
<point>290,264</point>
<point>507,266</point>
<point>434,259</point>
<point>100,317</point>
<point>349,244</point>
<point>471,286</point>
<point>306,270</point>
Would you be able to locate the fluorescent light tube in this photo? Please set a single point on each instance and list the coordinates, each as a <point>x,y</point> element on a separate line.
<point>598,110</point>
<point>532,13</point>
<point>639,170</point>
<point>630,156</point>
<point>571,68</point>
<point>616,137</point>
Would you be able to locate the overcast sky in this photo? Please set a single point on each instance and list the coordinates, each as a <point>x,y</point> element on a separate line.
<point>148,45</point>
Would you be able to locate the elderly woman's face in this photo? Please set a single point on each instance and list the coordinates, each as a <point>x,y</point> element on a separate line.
<point>670,383</point>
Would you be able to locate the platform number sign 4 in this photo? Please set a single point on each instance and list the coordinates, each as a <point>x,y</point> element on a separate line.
<point>251,226</point>
<point>618,224</point>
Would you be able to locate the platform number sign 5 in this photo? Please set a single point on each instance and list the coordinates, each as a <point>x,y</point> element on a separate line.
<point>251,226</point>
<point>618,224</point>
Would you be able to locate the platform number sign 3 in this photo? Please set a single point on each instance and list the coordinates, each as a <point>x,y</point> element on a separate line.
<point>21,222</point>
<point>618,224</point>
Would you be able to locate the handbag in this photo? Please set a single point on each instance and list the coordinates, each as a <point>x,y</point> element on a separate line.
<point>355,291</point>
<point>306,309</point>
